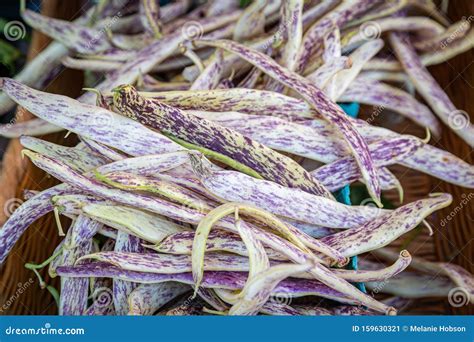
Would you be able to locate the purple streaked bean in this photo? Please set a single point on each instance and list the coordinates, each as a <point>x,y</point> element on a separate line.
<point>386,227</point>
<point>318,100</point>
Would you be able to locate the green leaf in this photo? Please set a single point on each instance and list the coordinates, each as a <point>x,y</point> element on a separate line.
<point>244,3</point>
<point>8,55</point>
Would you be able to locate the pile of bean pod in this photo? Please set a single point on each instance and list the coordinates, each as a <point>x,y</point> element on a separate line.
<point>211,146</point>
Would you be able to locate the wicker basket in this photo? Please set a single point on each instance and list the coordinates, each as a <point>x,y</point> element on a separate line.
<point>453,242</point>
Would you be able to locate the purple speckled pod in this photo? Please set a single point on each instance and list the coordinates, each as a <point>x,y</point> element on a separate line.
<point>155,53</point>
<point>332,44</point>
<point>251,22</point>
<point>274,308</point>
<point>209,78</point>
<point>103,150</point>
<point>402,261</point>
<point>386,227</point>
<point>76,37</point>
<point>169,263</point>
<point>174,10</point>
<point>358,59</point>
<point>93,122</point>
<point>443,165</point>
<point>427,86</point>
<point>130,41</point>
<point>146,299</point>
<point>311,310</point>
<point>121,288</point>
<point>34,127</point>
<point>25,215</point>
<point>211,298</point>
<point>148,83</point>
<point>292,203</point>
<point>165,189</point>
<point>147,226</point>
<point>329,110</point>
<point>389,181</point>
<point>291,27</point>
<point>73,297</point>
<point>426,27</point>
<point>80,160</point>
<point>384,96</point>
<point>283,135</point>
<point>326,71</point>
<point>457,46</point>
<point>218,240</point>
<point>149,11</point>
<point>258,258</point>
<point>413,285</point>
<point>385,152</point>
<point>154,204</point>
<point>444,39</point>
<point>208,135</point>
<point>462,278</point>
<point>312,14</point>
<point>342,14</point>
<point>220,280</point>
<point>95,65</point>
<point>113,55</point>
<point>251,101</point>
<point>147,165</point>
<point>258,290</point>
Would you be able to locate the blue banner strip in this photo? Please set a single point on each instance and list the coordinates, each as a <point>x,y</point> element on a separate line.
<point>241,329</point>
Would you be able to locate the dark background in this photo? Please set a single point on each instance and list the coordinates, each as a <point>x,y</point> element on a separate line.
<point>9,10</point>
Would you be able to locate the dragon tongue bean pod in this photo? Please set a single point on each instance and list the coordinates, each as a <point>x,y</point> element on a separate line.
<point>212,139</point>
<point>329,110</point>
<point>219,181</point>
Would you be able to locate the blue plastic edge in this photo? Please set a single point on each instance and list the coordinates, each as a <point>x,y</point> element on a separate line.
<point>343,195</point>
